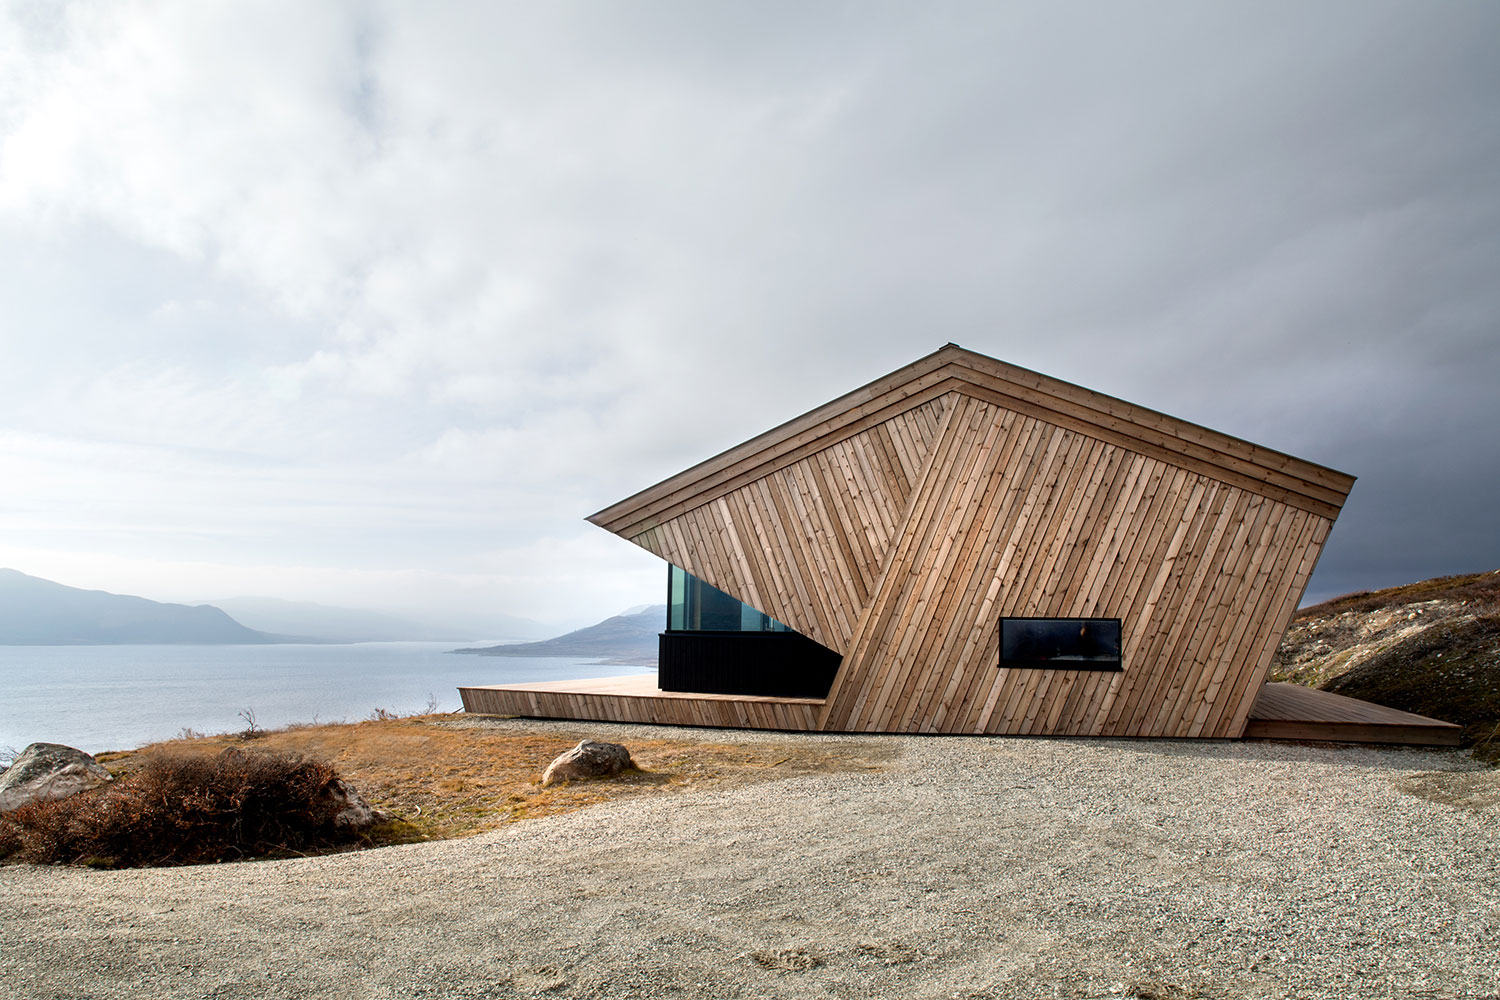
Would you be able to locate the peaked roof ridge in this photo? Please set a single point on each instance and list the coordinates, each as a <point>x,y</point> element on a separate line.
<point>952,368</point>
<point>981,369</point>
<point>903,389</point>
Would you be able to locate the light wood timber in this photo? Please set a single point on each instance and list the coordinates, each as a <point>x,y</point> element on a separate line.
<point>636,698</point>
<point>1293,712</point>
<point>951,368</point>
<point>900,523</point>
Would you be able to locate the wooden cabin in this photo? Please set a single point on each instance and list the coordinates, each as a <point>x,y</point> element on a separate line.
<point>965,546</point>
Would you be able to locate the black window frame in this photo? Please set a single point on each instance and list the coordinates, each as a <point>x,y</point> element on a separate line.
<point>1115,664</point>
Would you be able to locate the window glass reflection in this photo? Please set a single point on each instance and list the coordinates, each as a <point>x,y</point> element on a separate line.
<point>696,606</point>
<point>1060,642</point>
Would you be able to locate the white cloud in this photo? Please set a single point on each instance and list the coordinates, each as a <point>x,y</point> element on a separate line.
<point>374,286</point>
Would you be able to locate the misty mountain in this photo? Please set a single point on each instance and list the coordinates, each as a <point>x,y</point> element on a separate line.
<point>334,624</point>
<point>37,612</point>
<point>628,638</point>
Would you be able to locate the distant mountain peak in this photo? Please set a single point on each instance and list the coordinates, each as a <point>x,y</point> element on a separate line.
<point>627,638</point>
<point>34,611</point>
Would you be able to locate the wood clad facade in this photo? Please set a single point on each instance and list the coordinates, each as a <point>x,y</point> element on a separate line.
<point>899,524</point>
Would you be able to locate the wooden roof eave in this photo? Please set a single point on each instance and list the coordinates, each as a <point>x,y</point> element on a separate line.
<point>901,384</point>
<point>1271,473</point>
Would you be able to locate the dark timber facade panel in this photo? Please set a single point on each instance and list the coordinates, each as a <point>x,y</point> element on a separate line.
<point>772,664</point>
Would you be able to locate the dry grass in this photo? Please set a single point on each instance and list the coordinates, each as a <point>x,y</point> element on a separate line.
<point>441,776</point>
<point>1431,647</point>
<point>1482,589</point>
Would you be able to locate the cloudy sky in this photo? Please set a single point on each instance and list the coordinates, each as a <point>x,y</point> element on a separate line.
<point>371,303</point>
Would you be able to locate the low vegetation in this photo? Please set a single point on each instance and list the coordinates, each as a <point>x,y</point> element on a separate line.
<point>185,808</point>
<point>435,776</point>
<point>1431,647</point>
<point>1478,589</point>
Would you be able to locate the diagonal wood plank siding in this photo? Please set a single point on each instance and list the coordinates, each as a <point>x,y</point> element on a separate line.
<point>806,543</point>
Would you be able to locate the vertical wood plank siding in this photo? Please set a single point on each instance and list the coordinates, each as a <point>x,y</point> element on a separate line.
<point>1084,529</point>
<point>899,525</point>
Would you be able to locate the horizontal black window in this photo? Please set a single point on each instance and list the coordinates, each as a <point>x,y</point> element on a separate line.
<point>1060,643</point>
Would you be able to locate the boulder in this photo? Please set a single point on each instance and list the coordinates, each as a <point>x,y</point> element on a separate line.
<point>47,771</point>
<point>352,812</point>
<point>589,759</point>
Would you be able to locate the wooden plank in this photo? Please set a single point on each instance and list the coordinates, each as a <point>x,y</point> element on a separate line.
<point>909,609</point>
<point>1163,608</point>
<point>1249,608</point>
<point>682,497</point>
<point>1293,712</point>
<point>851,687</point>
<point>957,671</point>
<point>935,645</point>
<point>1222,465</point>
<point>1350,732</point>
<point>1306,555</point>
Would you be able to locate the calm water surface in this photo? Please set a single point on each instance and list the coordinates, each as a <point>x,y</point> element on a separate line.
<point>101,698</point>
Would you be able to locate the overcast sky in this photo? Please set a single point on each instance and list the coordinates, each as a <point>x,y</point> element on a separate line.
<point>372,303</point>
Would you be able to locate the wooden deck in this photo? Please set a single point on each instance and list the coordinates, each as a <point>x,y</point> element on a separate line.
<point>636,698</point>
<point>1281,711</point>
<point>1293,712</point>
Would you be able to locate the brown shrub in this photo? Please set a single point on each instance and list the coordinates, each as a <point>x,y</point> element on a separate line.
<point>182,808</point>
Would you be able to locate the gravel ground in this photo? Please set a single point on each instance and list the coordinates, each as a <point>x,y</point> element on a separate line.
<point>965,868</point>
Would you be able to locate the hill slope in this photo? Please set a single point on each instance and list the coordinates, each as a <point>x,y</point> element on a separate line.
<point>1431,647</point>
<point>621,639</point>
<point>37,612</point>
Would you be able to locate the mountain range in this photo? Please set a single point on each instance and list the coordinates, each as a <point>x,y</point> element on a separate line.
<point>627,638</point>
<point>39,612</point>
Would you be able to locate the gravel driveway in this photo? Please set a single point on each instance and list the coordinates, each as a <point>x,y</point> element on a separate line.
<point>967,867</point>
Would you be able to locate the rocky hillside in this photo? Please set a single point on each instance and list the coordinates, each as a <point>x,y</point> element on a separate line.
<point>1431,647</point>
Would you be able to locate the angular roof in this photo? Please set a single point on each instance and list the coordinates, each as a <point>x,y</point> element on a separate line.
<point>1265,471</point>
<point>901,523</point>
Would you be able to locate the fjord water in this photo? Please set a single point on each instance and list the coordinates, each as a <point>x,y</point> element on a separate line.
<point>99,698</point>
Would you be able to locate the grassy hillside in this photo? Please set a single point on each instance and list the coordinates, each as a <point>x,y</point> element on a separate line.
<point>1431,647</point>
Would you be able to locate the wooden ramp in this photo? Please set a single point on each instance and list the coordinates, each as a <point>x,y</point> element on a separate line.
<point>636,698</point>
<point>1293,712</point>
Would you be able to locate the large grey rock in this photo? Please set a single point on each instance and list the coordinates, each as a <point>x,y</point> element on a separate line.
<point>47,771</point>
<point>589,759</point>
<point>354,813</point>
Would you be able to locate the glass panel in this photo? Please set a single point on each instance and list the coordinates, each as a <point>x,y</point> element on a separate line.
<point>696,606</point>
<point>676,599</point>
<point>1060,642</point>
